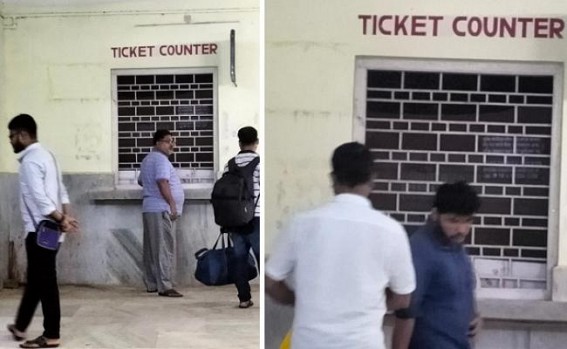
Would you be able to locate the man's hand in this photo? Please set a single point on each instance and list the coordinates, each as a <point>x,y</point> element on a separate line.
<point>69,224</point>
<point>163,185</point>
<point>475,325</point>
<point>173,215</point>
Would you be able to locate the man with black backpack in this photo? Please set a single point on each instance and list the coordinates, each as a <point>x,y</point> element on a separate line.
<point>236,207</point>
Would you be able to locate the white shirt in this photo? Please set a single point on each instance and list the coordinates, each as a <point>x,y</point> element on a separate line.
<point>342,257</point>
<point>40,182</point>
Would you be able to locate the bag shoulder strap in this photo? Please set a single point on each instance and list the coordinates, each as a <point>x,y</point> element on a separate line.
<point>29,212</point>
<point>59,179</point>
<point>250,168</point>
<point>232,167</point>
<point>253,163</point>
<point>247,169</point>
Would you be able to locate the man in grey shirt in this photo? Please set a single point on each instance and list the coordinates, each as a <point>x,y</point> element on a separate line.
<point>162,205</point>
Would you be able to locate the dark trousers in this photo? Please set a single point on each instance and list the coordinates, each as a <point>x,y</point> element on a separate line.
<point>41,287</point>
<point>242,244</point>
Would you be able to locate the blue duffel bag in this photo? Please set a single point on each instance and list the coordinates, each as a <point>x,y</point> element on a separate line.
<point>215,267</point>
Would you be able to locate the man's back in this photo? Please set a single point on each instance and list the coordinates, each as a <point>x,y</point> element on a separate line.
<point>345,254</point>
<point>242,159</point>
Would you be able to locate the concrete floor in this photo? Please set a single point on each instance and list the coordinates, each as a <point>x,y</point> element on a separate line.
<point>119,317</point>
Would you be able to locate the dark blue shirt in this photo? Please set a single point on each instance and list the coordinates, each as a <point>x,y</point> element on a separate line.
<point>443,301</point>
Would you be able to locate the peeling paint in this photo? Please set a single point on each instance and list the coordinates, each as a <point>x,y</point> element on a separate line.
<point>308,45</point>
<point>88,141</point>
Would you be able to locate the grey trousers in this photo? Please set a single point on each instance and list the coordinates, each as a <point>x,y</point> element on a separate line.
<point>159,247</point>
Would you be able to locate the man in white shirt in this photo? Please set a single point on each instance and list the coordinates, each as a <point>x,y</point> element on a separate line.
<point>349,263</point>
<point>42,196</point>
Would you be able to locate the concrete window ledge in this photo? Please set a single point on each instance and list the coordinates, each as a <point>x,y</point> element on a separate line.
<point>135,194</point>
<point>527,312</point>
<point>523,310</point>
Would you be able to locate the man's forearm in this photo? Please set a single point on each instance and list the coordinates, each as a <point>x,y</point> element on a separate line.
<point>165,191</point>
<point>403,330</point>
<point>56,216</point>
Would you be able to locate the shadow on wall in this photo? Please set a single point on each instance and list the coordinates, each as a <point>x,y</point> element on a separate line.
<point>125,250</point>
<point>9,211</point>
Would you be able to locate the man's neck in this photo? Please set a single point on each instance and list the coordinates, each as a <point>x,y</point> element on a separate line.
<point>248,148</point>
<point>361,189</point>
<point>27,145</point>
<point>161,151</point>
<point>34,141</point>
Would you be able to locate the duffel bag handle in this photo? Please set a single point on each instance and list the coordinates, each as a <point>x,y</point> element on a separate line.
<point>200,252</point>
<point>217,242</point>
<point>225,241</point>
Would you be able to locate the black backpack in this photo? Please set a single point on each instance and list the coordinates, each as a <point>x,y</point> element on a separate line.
<point>233,195</point>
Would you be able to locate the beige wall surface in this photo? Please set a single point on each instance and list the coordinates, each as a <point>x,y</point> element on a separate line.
<point>3,141</point>
<point>57,61</point>
<point>311,47</point>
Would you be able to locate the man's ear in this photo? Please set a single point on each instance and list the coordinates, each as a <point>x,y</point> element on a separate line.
<point>334,183</point>
<point>434,214</point>
<point>25,137</point>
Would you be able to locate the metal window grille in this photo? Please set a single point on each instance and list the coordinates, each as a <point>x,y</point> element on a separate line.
<point>182,101</point>
<point>491,127</point>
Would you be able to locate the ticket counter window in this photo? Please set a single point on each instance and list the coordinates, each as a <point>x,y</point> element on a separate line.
<point>182,101</point>
<point>491,125</point>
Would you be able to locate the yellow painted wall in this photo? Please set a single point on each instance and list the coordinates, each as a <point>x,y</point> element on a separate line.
<point>58,62</point>
<point>310,62</point>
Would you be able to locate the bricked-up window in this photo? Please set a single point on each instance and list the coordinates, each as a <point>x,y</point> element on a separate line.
<point>490,128</point>
<point>182,101</point>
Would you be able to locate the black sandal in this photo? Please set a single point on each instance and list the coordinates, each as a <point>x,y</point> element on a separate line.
<point>39,342</point>
<point>16,334</point>
<point>245,304</point>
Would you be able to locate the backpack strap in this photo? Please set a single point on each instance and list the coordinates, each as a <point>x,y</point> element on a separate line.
<point>247,170</point>
<point>232,167</point>
<point>249,174</point>
<point>251,166</point>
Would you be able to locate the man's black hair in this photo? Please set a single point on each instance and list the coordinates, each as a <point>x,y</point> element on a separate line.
<point>24,122</point>
<point>160,135</point>
<point>352,164</point>
<point>247,135</point>
<point>458,198</point>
